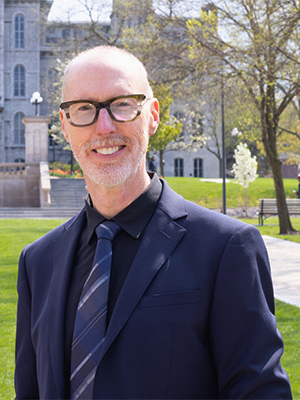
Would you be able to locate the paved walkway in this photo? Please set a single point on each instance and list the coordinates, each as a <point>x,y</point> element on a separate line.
<point>285,267</point>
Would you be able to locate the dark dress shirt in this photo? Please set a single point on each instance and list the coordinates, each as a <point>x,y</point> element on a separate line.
<point>133,221</point>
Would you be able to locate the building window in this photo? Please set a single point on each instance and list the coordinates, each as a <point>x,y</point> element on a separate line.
<point>178,162</point>
<point>19,32</point>
<point>19,129</point>
<point>180,118</point>
<point>198,168</point>
<point>52,36</point>
<point>19,81</point>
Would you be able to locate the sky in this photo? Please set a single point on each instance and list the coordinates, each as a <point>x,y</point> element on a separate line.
<point>72,10</point>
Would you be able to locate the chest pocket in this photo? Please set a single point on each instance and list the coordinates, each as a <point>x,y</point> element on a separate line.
<point>172,299</point>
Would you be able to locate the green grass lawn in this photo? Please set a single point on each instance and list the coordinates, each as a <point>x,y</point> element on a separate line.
<point>270,228</point>
<point>288,320</point>
<point>209,194</point>
<point>15,234</point>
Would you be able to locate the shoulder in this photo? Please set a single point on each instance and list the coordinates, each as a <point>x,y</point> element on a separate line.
<point>211,228</point>
<point>193,214</point>
<point>45,242</point>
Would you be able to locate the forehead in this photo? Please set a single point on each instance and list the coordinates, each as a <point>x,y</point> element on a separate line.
<point>103,78</point>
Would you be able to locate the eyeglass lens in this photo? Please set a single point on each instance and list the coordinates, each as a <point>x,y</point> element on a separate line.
<point>123,109</point>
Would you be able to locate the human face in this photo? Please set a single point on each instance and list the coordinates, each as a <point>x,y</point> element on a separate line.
<point>109,152</point>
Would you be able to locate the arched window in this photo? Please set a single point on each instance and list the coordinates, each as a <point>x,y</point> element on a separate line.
<point>19,32</point>
<point>19,128</point>
<point>19,81</point>
<point>178,164</point>
<point>198,167</point>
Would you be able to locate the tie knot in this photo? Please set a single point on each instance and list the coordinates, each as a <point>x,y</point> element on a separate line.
<point>107,230</point>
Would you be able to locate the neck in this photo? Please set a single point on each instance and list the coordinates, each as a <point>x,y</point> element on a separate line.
<point>110,201</point>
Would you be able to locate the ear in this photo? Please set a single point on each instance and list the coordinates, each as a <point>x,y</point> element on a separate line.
<point>64,125</point>
<point>154,118</point>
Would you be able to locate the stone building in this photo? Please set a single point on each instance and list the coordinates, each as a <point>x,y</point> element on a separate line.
<point>25,63</point>
<point>20,70</point>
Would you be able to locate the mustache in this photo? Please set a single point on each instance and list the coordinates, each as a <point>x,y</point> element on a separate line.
<point>115,140</point>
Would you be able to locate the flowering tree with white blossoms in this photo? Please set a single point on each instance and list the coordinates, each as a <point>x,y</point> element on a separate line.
<point>244,168</point>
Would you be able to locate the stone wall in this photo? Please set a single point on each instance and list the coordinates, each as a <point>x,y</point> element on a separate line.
<point>20,185</point>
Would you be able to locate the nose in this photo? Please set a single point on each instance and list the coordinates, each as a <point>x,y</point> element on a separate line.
<point>105,125</point>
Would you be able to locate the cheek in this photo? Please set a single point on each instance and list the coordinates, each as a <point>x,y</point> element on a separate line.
<point>76,143</point>
<point>142,132</point>
<point>66,135</point>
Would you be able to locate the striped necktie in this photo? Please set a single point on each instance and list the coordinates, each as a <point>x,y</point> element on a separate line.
<point>90,323</point>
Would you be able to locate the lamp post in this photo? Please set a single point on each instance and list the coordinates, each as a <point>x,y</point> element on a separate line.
<point>54,130</point>
<point>223,146</point>
<point>36,99</point>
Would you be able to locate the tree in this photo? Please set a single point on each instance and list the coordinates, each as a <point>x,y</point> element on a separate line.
<point>244,168</point>
<point>289,133</point>
<point>161,43</point>
<point>169,128</point>
<point>240,115</point>
<point>257,43</point>
<point>128,18</point>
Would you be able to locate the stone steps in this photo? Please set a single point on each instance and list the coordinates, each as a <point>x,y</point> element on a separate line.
<point>67,199</point>
<point>39,213</point>
<point>67,192</point>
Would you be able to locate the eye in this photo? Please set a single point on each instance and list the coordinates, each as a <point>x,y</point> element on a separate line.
<point>123,103</point>
<point>85,107</point>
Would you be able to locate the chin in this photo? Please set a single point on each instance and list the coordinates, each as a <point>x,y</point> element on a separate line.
<point>110,176</point>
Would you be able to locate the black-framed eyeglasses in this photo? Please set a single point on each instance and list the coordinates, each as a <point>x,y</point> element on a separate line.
<point>121,109</point>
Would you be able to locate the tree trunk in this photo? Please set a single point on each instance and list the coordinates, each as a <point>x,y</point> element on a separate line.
<point>161,162</point>
<point>285,224</point>
<point>246,202</point>
<point>269,125</point>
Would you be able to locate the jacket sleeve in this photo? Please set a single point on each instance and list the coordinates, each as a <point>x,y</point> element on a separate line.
<point>26,385</point>
<point>245,341</point>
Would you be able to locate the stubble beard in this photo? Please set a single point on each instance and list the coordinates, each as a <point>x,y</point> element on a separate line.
<point>110,174</point>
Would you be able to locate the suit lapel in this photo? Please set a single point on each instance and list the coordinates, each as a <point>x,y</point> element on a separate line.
<point>161,237</point>
<point>64,250</point>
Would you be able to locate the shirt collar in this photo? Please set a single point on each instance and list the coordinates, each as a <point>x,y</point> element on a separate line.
<point>134,218</point>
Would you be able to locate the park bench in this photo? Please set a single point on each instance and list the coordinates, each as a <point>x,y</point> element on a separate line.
<point>268,207</point>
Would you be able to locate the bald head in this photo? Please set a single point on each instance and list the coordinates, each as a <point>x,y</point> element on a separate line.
<point>119,61</point>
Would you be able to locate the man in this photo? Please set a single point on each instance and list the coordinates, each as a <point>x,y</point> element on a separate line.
<point>190,305</point>
<point>298,191</point>
<point>152,165</point>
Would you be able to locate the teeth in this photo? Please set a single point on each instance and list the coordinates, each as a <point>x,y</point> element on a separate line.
<point>107,151</point>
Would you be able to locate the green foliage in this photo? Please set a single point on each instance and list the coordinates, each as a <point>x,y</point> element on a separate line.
<point>288,137</point>
<point>64,170</point>
<point>261,49</point>
<point>169,128</point>
<point>54,90</point>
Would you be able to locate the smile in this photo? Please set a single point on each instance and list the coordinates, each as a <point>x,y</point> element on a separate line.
<point>108,150</point>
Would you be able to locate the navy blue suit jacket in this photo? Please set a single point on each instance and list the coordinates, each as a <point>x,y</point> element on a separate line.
<point>194,319</point>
